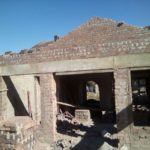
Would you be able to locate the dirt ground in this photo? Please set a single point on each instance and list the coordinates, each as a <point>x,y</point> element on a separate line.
<point>92,135</point>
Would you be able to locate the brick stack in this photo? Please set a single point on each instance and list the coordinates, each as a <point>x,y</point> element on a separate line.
<point>17,133</point>
<point>82,115</point>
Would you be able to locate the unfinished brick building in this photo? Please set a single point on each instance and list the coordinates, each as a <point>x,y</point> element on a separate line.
<point>56,75</point>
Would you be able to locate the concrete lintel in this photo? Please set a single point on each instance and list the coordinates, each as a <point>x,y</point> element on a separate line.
<point>132,61</point>
<point>106,63</point>
<point>58,66</point>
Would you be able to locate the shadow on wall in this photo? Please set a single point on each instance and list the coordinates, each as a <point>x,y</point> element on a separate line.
<point>14,98</point>
<point>124,118</point>
<point>93,139</point>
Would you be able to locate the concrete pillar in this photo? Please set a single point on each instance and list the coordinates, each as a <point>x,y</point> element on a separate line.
<point>123,102</point>
<point>48,105</point>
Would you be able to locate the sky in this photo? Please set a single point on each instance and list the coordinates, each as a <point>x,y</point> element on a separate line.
<point>24,23</point>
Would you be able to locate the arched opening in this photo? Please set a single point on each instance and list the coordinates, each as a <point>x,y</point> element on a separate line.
<point>92,91</point>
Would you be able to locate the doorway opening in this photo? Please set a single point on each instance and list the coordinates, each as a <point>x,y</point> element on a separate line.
<point>140,81</point>
<point>94,92</point>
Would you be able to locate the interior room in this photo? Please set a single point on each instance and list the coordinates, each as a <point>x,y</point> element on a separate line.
<point>141,97</point>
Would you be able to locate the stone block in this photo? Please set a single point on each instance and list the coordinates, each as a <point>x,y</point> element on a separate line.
<point>82,115</point>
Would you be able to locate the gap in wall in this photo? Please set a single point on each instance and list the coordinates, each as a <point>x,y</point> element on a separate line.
<point>140,81</point>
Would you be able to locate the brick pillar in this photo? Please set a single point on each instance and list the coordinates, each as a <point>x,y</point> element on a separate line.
<point>123,102</point>
<point>1,90</point>
<point>48,105</point>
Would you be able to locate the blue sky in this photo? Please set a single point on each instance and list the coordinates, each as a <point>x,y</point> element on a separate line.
<point>24,23</point>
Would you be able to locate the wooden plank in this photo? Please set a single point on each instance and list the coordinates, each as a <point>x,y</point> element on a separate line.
<point>83,72</point>
<point>66,104</point>
<point>80,107</point>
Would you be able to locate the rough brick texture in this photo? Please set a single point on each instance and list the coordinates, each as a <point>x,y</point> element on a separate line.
<point>48,105</point>
<point>96,38</point>
<point>0,97</point>
<point>123,105</point>
<point>17,133</point>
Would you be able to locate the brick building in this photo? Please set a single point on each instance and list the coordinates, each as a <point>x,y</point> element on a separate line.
<point>116,56</point>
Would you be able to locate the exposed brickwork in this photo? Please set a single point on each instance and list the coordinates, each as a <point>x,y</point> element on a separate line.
<point>123,105</point>
<point>0,97</point>
<point>48,105</point>
<point>97,38</point>
<point>17,133</point>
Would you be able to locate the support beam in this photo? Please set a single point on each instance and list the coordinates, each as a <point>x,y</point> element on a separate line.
<point>1,90</point>
<point>123,104</point>
<point>48,106</point>
<point>105,63</point>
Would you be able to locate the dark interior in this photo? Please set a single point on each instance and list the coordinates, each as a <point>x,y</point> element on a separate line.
<point>73,89</point>
<point>141,97</point>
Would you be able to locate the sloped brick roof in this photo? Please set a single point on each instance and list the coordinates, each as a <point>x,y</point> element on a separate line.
<point>104,37</point>
<point>96,38</point>
<point>101,31</point>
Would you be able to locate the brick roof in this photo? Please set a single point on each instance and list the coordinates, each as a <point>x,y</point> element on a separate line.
<point>103,35</point>
<point>96,38</point>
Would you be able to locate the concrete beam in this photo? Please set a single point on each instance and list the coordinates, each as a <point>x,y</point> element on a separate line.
<point>58,66</point>
<point>132,61</point>
<point>106,63</point>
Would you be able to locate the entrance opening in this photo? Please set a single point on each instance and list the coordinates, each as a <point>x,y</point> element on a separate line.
<point>140,81</point>
<point>94,92</point>
<point>86,108</point>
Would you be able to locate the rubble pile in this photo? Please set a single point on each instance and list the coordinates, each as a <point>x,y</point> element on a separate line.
<point>67,117</point>
<point>17,133</point>
<point>63,144</point>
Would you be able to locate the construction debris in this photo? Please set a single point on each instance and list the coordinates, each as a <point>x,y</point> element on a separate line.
<point>105,134</point>
<point>63,144</point>
<point>66,116</point>
<point>82,115</point>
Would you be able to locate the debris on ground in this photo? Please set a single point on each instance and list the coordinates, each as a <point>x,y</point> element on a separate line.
<point>63,144</point>
<point>66,116</point>
<point>75,135</point>
<point>105,134</point>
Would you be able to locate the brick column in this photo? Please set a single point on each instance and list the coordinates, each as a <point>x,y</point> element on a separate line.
<point>48,105</point>
<point>1,96</point>
<point>123,102</point>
